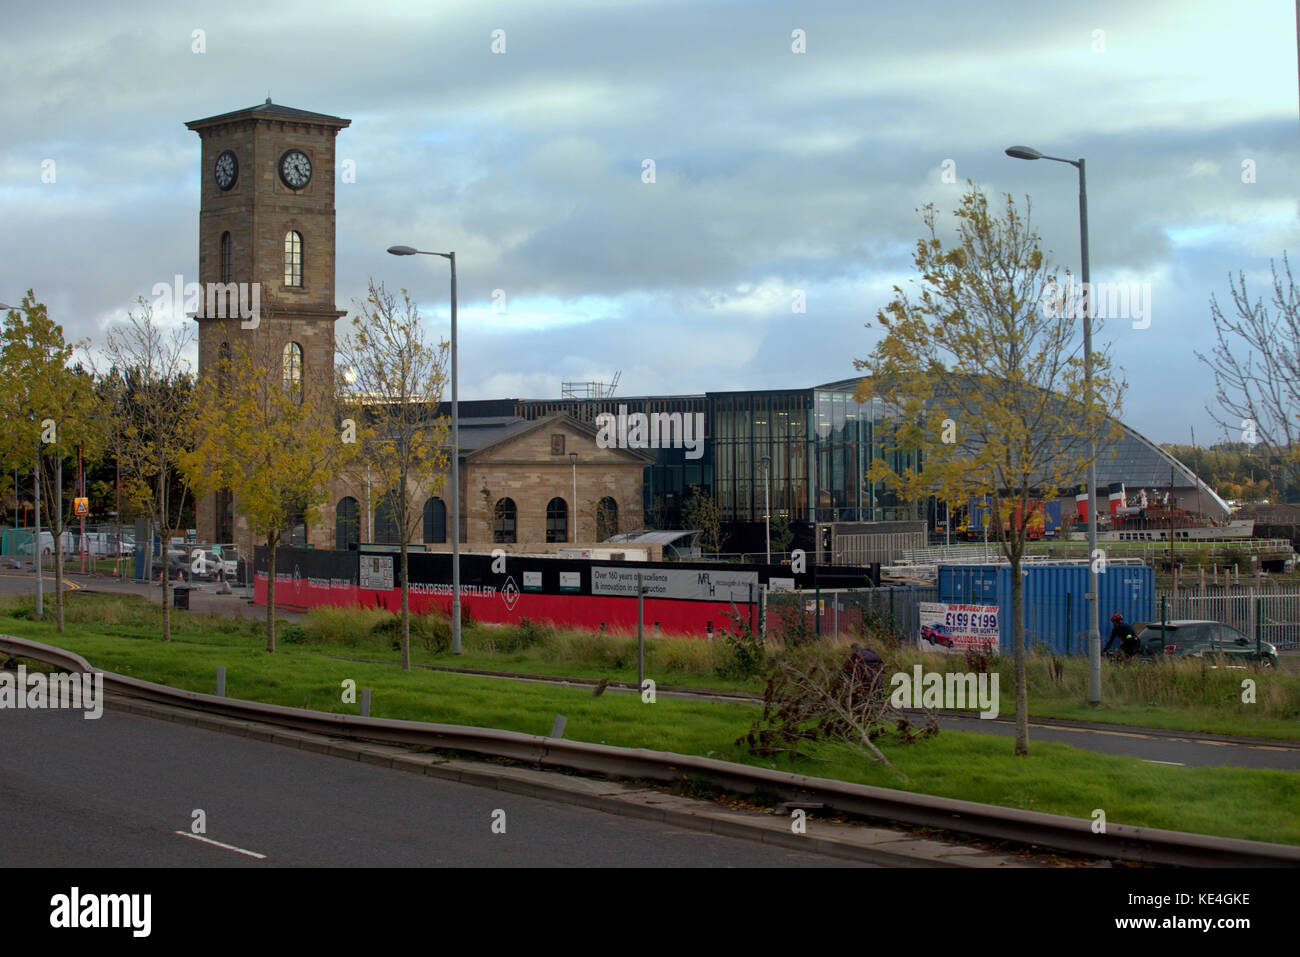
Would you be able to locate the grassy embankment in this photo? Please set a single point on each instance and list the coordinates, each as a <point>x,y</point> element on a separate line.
<point>121,634</point>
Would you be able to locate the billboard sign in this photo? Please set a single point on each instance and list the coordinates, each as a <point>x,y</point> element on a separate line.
<point>952,629</point>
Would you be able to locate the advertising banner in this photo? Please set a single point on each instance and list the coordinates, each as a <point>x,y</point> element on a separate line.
<point>685,584</point>
<point>953,629</point>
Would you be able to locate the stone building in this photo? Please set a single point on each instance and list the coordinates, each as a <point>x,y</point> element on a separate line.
<point>267,226</point>
<point>518,480</point>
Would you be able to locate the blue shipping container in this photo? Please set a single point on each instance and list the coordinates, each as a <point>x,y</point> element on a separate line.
<point>1055,600</point>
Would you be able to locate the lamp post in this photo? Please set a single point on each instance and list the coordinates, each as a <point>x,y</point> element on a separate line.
<point>36,498</point>
<point>767,503</point>
<point>455,449</point>
<point>573,460</point>
<point>1094,632</point>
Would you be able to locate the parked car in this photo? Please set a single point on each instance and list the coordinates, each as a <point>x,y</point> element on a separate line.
<point>1193,638</point>
<point>206,563</point>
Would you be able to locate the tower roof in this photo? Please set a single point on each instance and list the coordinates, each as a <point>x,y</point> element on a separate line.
<point>271,111</point>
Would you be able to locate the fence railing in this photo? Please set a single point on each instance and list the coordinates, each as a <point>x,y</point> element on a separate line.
<point>1047,621</point>
<point>1277,610</point>
<point>842,609</point>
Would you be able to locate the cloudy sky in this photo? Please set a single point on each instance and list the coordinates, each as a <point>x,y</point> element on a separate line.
<point>776,172</point>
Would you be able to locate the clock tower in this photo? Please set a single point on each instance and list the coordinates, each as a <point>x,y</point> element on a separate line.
<point>266,260</point>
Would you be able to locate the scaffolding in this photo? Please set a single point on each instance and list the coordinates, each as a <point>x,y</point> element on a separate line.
<point>589,390</point>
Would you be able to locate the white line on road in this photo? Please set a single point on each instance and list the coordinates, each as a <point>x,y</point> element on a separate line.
<point>229,847</point>
<point>1177,764</point>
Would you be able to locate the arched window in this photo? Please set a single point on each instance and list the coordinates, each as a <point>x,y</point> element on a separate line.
<point>225,516</point>
<point>557,520</point>
<point>347,523</point>
<point>385,523</point>
<point>293,258</point>
<point>503,529</point>
<point>298,527</point>
<point>227,258</point>
<point>435,521</point>
<point>293,370</point>
<point>606,518</point>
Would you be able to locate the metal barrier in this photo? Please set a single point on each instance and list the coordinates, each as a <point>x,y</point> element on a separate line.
<point>842,609</point>
<point>1119,841</point>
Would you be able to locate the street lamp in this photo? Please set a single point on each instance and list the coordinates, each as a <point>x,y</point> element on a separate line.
<point>36,497</point>
<point>573,460</point>
<point>766,461</point>
<point>455,449</point>
<point>1094,630</point>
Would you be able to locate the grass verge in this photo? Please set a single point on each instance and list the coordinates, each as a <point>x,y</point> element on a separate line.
<point>1231,802</point>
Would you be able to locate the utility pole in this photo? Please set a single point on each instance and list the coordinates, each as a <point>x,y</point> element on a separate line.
<point>36,542</point>
<point>1170,512</point>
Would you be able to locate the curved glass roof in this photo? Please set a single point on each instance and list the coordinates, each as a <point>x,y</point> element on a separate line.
<point>1132,459</point>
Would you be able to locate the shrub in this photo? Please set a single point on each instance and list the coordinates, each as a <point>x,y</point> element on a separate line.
<point>793,625</point>
<point>744,654</point>
<point>432,629</point>
<point>293,635</point>
<point>526,634</point>
<point>329,624</point>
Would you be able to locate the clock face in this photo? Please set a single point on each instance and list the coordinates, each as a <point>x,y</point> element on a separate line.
<point>295,169</point>
<point>226,171</point>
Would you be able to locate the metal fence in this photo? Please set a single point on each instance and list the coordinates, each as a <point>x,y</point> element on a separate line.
<point>1241,606</point>
<point>1047,621</point>
<point>842,609</point>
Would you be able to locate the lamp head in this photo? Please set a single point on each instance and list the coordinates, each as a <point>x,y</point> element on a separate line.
<point>403,250</point>
<point>1023,153</point>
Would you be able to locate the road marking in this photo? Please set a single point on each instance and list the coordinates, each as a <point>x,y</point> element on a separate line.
<point>1177,764</point>
<point>229,847</point>
<point>68,584</point>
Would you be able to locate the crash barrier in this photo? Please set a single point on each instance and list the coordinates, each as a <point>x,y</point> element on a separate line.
<point>1075,835</point>
<point>696,599</point>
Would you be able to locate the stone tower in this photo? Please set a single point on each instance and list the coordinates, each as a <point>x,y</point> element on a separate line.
<point>266,225</point>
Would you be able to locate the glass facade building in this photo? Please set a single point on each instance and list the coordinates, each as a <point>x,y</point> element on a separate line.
<point>809,449</point>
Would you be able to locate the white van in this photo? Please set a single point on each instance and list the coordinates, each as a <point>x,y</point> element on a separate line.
<point>47,544</point>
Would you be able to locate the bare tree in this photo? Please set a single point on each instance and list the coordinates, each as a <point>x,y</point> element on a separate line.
<point>1256,365</point>
<point>393,380</point>
<point>155,423</point>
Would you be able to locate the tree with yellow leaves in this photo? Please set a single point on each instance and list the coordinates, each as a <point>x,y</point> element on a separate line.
<point>50,409</point>
<point>983,376</point>
<point>262,437</point>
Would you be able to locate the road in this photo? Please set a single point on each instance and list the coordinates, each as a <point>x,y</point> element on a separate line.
<point>113,792</point>
<point>1156,747</point>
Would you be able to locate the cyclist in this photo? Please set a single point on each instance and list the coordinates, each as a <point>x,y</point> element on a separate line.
<point>1128,642</point>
